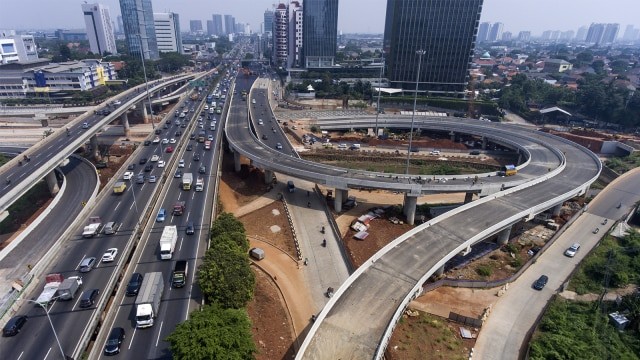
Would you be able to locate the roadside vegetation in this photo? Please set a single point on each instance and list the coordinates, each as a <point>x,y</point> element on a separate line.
<point>623,164</point>
<point>25,207</point>
<point>581,329</point>
<point>222,328</point>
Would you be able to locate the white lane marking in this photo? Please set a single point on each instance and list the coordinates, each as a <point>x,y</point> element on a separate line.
<point>132,336</point>
<point>159,332</point>
<point>115,208</point>
<point>47,353</point>
<point>19,357</point>
<point>180,247</point>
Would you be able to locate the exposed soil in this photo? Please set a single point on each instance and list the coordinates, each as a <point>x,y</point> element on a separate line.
<point>270,225</point>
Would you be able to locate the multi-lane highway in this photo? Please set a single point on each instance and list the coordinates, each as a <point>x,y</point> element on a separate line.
<point>128,210</point>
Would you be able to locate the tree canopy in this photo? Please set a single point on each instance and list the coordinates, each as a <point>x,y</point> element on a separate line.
<point>213,333</point>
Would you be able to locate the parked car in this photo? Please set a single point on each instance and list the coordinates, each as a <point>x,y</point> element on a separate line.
<point>572,250</point>
<point>541,282</point>
<point>14,325</point>
<point>115,339</point>
<point>596,230</point>
<point>87,264</point>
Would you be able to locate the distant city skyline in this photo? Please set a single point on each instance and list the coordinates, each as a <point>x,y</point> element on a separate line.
<point>361,16</point>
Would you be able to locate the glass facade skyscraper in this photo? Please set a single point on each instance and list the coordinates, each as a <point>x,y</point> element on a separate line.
<point>445,29</point>
<point>137,18</point>
<point>319,33</point>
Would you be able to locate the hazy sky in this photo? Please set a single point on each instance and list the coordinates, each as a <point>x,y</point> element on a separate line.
<point>354,15</point>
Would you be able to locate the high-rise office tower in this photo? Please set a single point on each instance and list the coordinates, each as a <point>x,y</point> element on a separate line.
<point>602,33</point>
<point>210,27</point>
<point>581,34</point>
<point>296,17</point>
<point>167,27</point>
<point>280,30</point>
<point>506,36</point>
<point>195,26</point>
<point>524,36</point>
<point>229,24</point>
<point>495,33</point>
<point>444,30</point>
<point>217,27</point>
<point>137,16</point>
<point>610,33</point>
<point>630,34</point>
<point>120,25</point>
<point>483,32</point>
<point>320,33</point>
<point>99,29</point>
<point>268,21</point>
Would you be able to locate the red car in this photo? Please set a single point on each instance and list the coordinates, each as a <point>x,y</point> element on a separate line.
<point>169,149</point>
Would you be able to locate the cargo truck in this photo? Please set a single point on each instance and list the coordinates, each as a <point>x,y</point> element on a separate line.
<point>148,300</point>
<point>179,277</point>
<point>69,287</point>
<point>119,187</point>
<point>92,228</point>
<point>200,184</point>
<point>51,285</point>
<point>168,242</point>
<point>187,180</point>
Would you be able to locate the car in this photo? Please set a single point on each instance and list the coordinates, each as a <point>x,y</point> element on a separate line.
<point>14,325</point>
<point>572,250</point>
<point>161,163</point>
<point>128,175</point>
<point>178,174</point>
<point>260,122</point>
<point>158,131</point>
<point>193,136</point>
<point>435,152</point>
<point>85,125</point>
<point>273,130</point>
<point>140,179</point>
<point>155,158</point>
<point>165,141</point>
<point>189,147</point>
<point>279,146</point>
<point>474,152</point>
<point>541,282</point>
<point>152,178</point>
<point>202,170</point>
<point>196,157</point>
<point>87,264</point>
<point>264,137</point>
<point>172,141</point>
<point>210,137</point>
<point>89,297</point>
<point>596,230</point>
<point>110,255</point>
<point>156,140</point>
<point>190,230</point>
<point>115,339</point>
<point>148,168</point>
<point>134,284</point>
<point>604,222</point>
<point>183,125</point>
<point>201,126</point>
<point>169,149</point>
<point>178,133</point>
<point>181,163</point>
<point>147,142</point>
<point>162,213</point>
<point>166,125</point>
<point>116,103</point>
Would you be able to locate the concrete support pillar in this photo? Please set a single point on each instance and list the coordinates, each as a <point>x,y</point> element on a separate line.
<point>236,161</point>
<point>95,149</point>
<point>124,118</point>
<point>503,236</point>
<point>52,182</point>
<point>268,176</point>
<point>143,112</point>
<point>409,209</point>
<point>484,143</point>
<point>337,200</point>
<point>440,271</point>
<point>453,136</point>
<point>556,209</point>
<point>468,197</point>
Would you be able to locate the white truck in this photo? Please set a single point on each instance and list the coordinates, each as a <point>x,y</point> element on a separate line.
<point>92,228</point>
<point>69,287</point>
<point>168,242</point>
<point>51,285</point>
<point>187,180</point>
<point>200,184</point>
<point>148,300</point>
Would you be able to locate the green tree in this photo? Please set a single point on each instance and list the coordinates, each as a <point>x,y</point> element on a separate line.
<point>227,223</point>
<point>172,61</point>
<point>225,276</point>
<point>213,333</point>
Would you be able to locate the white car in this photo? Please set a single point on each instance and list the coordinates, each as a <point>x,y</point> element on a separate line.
<point>165,141</point>
<point>128,175</point>
<point>156,140</point>
<point>172,141</point>
<point>435,152</point>
<point>155,158</point>
<point>152,178</point>
<point>110,255</point>
<point>260,122</point>
<point>572,250</point>
<point>117,103</point>
<point>161,163</point>
<point>181,163</point>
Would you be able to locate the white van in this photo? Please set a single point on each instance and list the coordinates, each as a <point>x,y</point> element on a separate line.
<point>110,228</point>
<point>257,253</point>
<point>342,146</point>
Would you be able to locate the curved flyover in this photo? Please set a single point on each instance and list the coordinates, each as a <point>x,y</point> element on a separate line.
<point>358,321</point>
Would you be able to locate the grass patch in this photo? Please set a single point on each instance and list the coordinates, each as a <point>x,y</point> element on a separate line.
<point>624,164</point>
<point>484,270</point>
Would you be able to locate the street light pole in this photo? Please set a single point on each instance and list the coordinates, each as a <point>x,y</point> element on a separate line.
<point>379,91</point>
<point>413,115</point>
<point>46,311</point>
